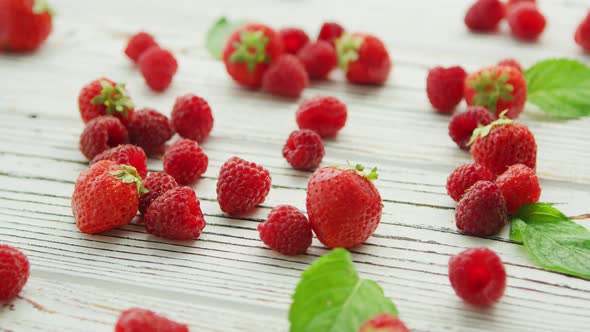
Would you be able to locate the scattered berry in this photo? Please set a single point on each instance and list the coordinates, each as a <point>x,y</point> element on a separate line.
<point>511,3</point>
<point>150,130</point>
<point>24,24</point>
<point>318,58</point>
<point>286,76</point>
<point>384,323</point>
<point>477,276</point>
<point>157,184</point>
<point>465,176</point>
<point>582,36</point>
<point>286,230</point>
<point>519,186</point>
<point>304,149</point>
<point>482,210</point>
<point>101,134</point>
<point>139,43</point>
<point>141,320</point>
<point>293,39</point>
<point>511,63</point>
<point>14,272</point>
<point>192,117</point>
<point>185,161</point>
<point>463,124</point>
<point>526,21</point>
<point>158,67</point>
<point>125,154</point>
<point>324,115</point>
<point>485,15</point>
<point>363,58</point>
<point>444,87</point>
<point>330,31</point>
<point>105,97</point>
<point>241,186</point>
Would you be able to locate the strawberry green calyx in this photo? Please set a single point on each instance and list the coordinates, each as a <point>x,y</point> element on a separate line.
<point>347,49</point>
<point>128,174</point>
<point>483,131</point>
<point>491,88</point>
<point>41,6</point>
<point>115,98</point>
<point>360,170</point>
<point>251,49</point>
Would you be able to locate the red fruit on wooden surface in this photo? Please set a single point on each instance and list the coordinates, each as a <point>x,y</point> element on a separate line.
<point>157,183</point>
<point>127,154</point>
<point>286,77</point>
<point>485,15</point>
<point>293,39</point>
<point>185,161</point>
<point>519,186</point>
<point>158,67</point>
<point>141,320</point>
<point>150,130</point>
<point>138,44</point>
<point>363,58</point>
<point>323,114</point>
<point>482,210</point>
<point>286,230</point>
<point>526,21</point>
<point>304,149</point>
<point>14,272</point>
<point>24,24</point>
<point>384,323</point>
<point>192,117</point>
<point>105,97</point>
<point>582,35</point>
<point>101,134</point>
<point>465,176</point>
<point>463,124</point>
<point>330,31</point>
<point>319,59</point>
<point>444,87</point>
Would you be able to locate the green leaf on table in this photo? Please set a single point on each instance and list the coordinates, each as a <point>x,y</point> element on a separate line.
<point>560,87</point>
<point>330,297</point>
<point>218,34</point>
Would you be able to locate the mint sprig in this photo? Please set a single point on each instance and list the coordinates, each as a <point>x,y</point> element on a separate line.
<point>218,34</point>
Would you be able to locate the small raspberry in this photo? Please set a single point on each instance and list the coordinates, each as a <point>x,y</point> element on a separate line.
<point>384,323</point>
<point>465,176</point>
<point>511,63</point>
<point>141,320</point>
<point>463,124</point>
<point>482,210</point>
<point>241,186</point>
<point>304,149</point>
<point>293,39</point>
<point>150,130</point>
<point>330,31</point>
<point>444,87</point>
<point>286,76</point>
<point>526,21</point>
<point>101,134</point>
<point>477,276</point>
<point>158,67</point>
<point>125,154</point>
<point>582,36</point>
<point>519,186</point>
<point>185,161</point>
<point>139,43</point>
<point>286,230</point>
<point>192,118</point>
<point>484,15</point>
<point>157,184</point>
<point>319,59</point>
<point>14,272</point>
<point>324,115</point>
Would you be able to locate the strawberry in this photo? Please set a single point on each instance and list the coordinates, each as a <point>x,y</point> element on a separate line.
<point>105,97</point>
<point>343,205</point>
<point>248,52</point>
<point>498,88</point>
<point>363,58</point>
<point>511,63</point>
<point>582,36</point>
<point>24,24</point>
<point>384,323</point>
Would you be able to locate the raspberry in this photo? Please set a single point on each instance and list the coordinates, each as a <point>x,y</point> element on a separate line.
<point>157,183</point>
<point>519,186</point>
<point>582,36</point>
<point>384,323</point>
<point>304,149</point>
<point>330,31</point>
<point>192,117</point>
<point>465,176</point>
<point>150,130</point>
<point>477,276</point>
<point>482,210</point>
<point>14,272</point>
<point>241,186</point>
<point>293,39</point>
<point>158,67</point>
<point>125,154</point>
<point>185,161</point>
<point>484,15</point>
<point>101,134</point>
<point>444,87</point>
<point>286,230</point>
<point>318,58</point>
<point>286,76</point>
<point>324,115</point>
<point>463,124</point>
<point>526,21</point>
<point>139,43</point>
<point>511,63</point>
<point>141,320</point>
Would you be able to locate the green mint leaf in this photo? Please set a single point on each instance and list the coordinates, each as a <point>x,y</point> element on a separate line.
<point>218,34</point>
<point>560,87</point>
<point>331,297</point>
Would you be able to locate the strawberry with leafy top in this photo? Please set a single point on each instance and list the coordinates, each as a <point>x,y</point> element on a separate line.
<point>105,97</point>
<point>363,58</point>
<point>24,24</point>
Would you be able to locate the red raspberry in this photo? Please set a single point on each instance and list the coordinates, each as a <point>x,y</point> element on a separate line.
<point>192,117</point>
<point>175,215</point>
<point>293,39</point>
<point>482,210</point>
<point>444,87</point>
<point>465,176</point>
<point>24,24</point>
<point>105,97</point>
<point>477,276</point>
<point>125,154</point>
<point>101,134</point>
<point>304,149</point>
<point>330,31</point>
<point>286,76</point>
<point>318,58</point>
<point>286,230</point>
<point>324,115</point>
<point>158,67</point>
<point>384,323</point>
<point>241,186</point>
<point>526,21</point>
<point>150,130</point>
<point>519,185</point>
<point>485,15</point>
<point>139,43</point>
<point>157,183</point>
<point>185,161</point>
<point>582,36</point>
<point>511,63</point>
<point>14,272</point>
<point>141,320</point>
<point>463,124</point>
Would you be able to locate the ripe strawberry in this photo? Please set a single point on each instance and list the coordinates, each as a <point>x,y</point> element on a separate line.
<point>24,24</point>
<point>526,21</point>
<point>384,323</point>
<point>444,87</point>
<point>363,58</point>
<point>519,186</point>
<point>150,130</point>
<point>463,124</point>
<point>293,39</point>
<point>139,43</point>
<point>157,184</point>
<point>192,118</point>
<point>105,97</point>
<point>304,149</point>
<point>286,230</point>
<point>141,320</point>
<point>465,176</point>
<point>158,67</point>
<point>125,154</point>
<point>101,134</point>
<point>324,115</point>
<point>14,272</point>
<point>482,210</point>
<point>286,77</point>
<point>185,161</point>
<point>498,88</point>
<point>511,63</point>
<point>343,205</point>
<point>582,36</point>
<point>330,31</point>
<point>503,143</point>
<point>175,215</point>
<point>106,195</point>
<point>318,58</point>
<point>241,186</point>
<point>248,52</point>
<point>485,15</point>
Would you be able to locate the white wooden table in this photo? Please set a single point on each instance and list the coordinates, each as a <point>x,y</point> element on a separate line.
<point>228,280</point>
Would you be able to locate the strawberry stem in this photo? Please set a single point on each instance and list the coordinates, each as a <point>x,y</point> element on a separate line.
<point>115,98</point>
<point>490,88</point>
<point>360,170</point>
<point>128,174</point>
<point>41,6</point>
<point>251,49</point>
<point>347,49</point>
<point>483,131</point>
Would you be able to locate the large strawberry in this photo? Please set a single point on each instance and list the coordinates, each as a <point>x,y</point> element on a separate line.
<point>249,51</point>
<point>343,205</point>
<point>363,58</point>
<point>106,195</point>
<point>498,88</point>
<point>24,24</point>
<point>103,96</point>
